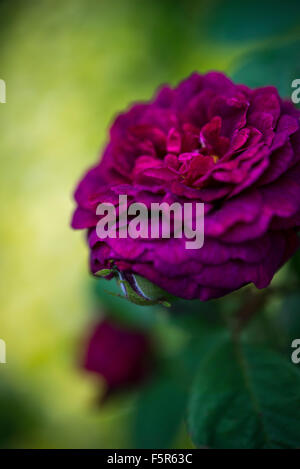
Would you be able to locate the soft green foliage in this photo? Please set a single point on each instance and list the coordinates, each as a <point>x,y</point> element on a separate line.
<point>235,20</point>
<point>18,415</point>
<point>159,413</point>
<point>278,66</point>
<point>245,397</point>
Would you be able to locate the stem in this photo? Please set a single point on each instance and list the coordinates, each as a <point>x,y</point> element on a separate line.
<point>250,307</point>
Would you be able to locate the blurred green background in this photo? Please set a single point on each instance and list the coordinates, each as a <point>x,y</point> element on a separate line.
<point>69,67</point>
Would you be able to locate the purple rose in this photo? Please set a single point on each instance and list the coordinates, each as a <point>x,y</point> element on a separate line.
<point>121,356</point>
<point>208,140</point>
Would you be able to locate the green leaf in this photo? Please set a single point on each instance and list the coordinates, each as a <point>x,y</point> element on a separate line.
<point>149,290</point>
<point>199,347</point>
<point>159,413</point>
<point>277,66</point>
<point>245,397</point>
<point>107,293</point>
<point>103,272</point>
<point>233,20</point>
<point>141,291</point>
<point>132,296</point>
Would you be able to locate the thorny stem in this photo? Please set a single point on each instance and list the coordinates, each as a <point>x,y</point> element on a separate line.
<point>252,304</point>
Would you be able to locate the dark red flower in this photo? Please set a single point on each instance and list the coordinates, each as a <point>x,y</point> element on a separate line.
<point>208,140</point>
<point>121,356</point>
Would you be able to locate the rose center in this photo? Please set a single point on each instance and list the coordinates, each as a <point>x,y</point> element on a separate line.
<point>192,153</point>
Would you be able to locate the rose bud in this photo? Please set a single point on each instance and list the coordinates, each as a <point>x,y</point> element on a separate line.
<point>121,356</point>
